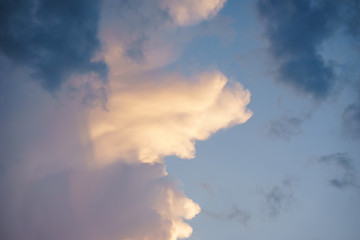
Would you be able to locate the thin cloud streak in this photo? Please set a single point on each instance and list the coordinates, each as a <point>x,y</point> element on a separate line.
<point>347,176</point>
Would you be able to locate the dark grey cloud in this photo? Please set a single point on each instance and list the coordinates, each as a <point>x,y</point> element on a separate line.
<point>346,176</point>
<point>55,39</point>
<point>278,199</point>
<point>351,14</point>
<point>296,30</point>
<point>235,214</point>
<point>285,127</point>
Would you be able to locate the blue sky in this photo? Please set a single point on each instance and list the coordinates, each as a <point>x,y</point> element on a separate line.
<point>133,119</point>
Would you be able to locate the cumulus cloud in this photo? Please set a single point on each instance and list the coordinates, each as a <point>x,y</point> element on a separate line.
<point>55,39</point>
<point>148,121</point>
<point>50,191</point>
<point>188,12</point>
<point>50,188</point>
<point>119,202</point>
<point>74,171</point>
<point>53,191</point>
<point>140,36</point>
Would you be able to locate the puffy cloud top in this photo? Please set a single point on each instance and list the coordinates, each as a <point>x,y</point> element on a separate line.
<point>154,120</point>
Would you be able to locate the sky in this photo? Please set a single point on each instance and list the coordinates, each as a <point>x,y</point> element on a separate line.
<point>179,119</point>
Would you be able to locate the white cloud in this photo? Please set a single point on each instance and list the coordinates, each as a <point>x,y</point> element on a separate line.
<point>50,189</point>
<point>149,120</point>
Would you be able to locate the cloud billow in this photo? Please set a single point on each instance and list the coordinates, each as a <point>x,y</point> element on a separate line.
<point>74,172</point>
<point>56,39</point>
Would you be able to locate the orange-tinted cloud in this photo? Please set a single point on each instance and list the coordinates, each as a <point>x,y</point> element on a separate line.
<point>150,120</point>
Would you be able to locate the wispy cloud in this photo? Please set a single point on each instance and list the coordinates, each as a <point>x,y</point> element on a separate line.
<point>351,121</point>
<point>285,127</point>
<point>278,199</point>
<point>351,117</point>
<point>347,175</point>
<point>235,214</point>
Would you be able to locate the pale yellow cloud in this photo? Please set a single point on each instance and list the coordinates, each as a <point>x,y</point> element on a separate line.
<point>153,119</point>
<point>188,12</point>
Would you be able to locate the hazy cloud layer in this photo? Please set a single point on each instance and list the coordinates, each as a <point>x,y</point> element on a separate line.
<point>346,175</point>
<point>55,39</point>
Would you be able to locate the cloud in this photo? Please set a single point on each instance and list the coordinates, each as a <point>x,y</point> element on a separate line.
<point>296,31</point>
<point>51,189</point>
<point>278,199</point>
<point>55,39</point>
<point>351,117</point>
<point>285,127</point>
<point>347,172</point>
<point>131,23</point>
<point>239,215</point>
<point>53,192</point>
<point>188,12</point>
<point>74,171</point>
<point>351,121</point>
<point>154,119</point>
<point>206,187</point>
<point>141,37</point>
<point>118,202</point>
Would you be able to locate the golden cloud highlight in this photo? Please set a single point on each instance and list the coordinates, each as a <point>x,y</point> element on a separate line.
<point>145,123</point>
